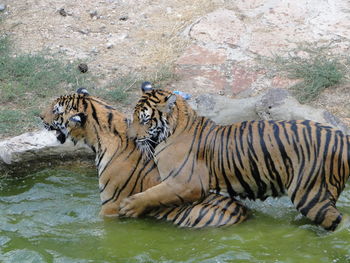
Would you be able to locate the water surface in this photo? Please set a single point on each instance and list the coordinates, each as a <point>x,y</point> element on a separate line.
<point>52,216</point>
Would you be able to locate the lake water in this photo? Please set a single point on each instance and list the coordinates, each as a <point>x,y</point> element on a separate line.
<point>52,216</point>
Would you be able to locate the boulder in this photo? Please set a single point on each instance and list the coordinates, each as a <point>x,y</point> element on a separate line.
<point>38,150</point>
<point>275,104</point>
<point>224,110</point>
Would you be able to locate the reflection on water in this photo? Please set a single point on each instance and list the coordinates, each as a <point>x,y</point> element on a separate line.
<point>52,216</point>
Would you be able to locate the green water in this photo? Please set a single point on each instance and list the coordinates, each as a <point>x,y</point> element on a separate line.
<point>52,216</point>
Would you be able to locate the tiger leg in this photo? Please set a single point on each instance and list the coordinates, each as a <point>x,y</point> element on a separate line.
<point>320,210</point>
<point>165,193</point>
<point>174,190</point>
<point>213,211</point>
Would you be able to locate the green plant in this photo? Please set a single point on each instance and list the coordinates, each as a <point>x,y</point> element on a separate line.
<point>4,46</point>
<point>118,89</point>
<point>315,66</point>
<point>10,120</point>
<point>27,82</point>
<point>317,74</point>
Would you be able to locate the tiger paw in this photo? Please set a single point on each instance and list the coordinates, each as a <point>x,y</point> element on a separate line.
<point>109,211</point>
<point>344,224</point>
<point>132,206</point>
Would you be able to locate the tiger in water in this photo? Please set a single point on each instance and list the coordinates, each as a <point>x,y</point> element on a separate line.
<point>308,161</point>
<point>121,169</point>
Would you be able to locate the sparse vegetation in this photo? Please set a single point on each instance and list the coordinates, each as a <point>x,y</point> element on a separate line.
<point>27,81</point>
<point>12,119</point>
<point>316,68</point>
<point>120,89</point>
<point>317,74</point>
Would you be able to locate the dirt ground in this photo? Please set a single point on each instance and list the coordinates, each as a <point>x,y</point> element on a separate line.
<point>115,37</point>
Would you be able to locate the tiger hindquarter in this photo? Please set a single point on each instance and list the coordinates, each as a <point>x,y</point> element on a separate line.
<point>307,160</point>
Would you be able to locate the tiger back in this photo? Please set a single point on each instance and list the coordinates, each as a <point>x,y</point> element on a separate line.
<point>308,161</point>
<point>122,170</point>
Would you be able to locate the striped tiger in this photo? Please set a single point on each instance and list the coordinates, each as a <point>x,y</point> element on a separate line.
<point>121,169</point>
<point>308,161</point>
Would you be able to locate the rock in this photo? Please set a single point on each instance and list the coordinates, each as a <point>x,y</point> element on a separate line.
<point>2,7</point>
<point>83,68</point>
<point>201,70</point>
<point>224,110</point>
<point>84,31</point>
<point>242,79</point>
<point>94,50</point>
<point>35,150</point>
<point>212,70</point>
<point>221,27</point>
<point>122,36</point>
<point>62,12</point>
<point>275,104</point>
<point>199,80</point>
<point>269,101</point>
<point>278,104</point>
<point>123,18</point>
<point>199,55</point>
<point>169,10</point>
<point>93,13</point>
<point>109,45</point>
<point>336,122</point>
<point>266,28</point>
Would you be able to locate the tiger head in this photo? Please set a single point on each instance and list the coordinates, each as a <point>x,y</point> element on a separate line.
<point>80,116</point>
<point>64,117</point>
<point>154,118</point>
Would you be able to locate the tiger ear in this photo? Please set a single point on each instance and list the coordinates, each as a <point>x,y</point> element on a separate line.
<point>83,91</point>
<point>146,87</point>
<point>169,104</point>
<point>78,119</point>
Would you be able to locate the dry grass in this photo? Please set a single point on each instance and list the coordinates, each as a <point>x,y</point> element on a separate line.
<point>315,65</point>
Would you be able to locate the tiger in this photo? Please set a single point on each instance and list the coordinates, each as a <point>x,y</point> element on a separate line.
<point>305,160</point>
<point>121,171</point>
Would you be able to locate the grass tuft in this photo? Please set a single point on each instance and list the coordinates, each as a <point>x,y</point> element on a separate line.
<point>118,90</point>
<point>122,89</point>
<point>316,68</point>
